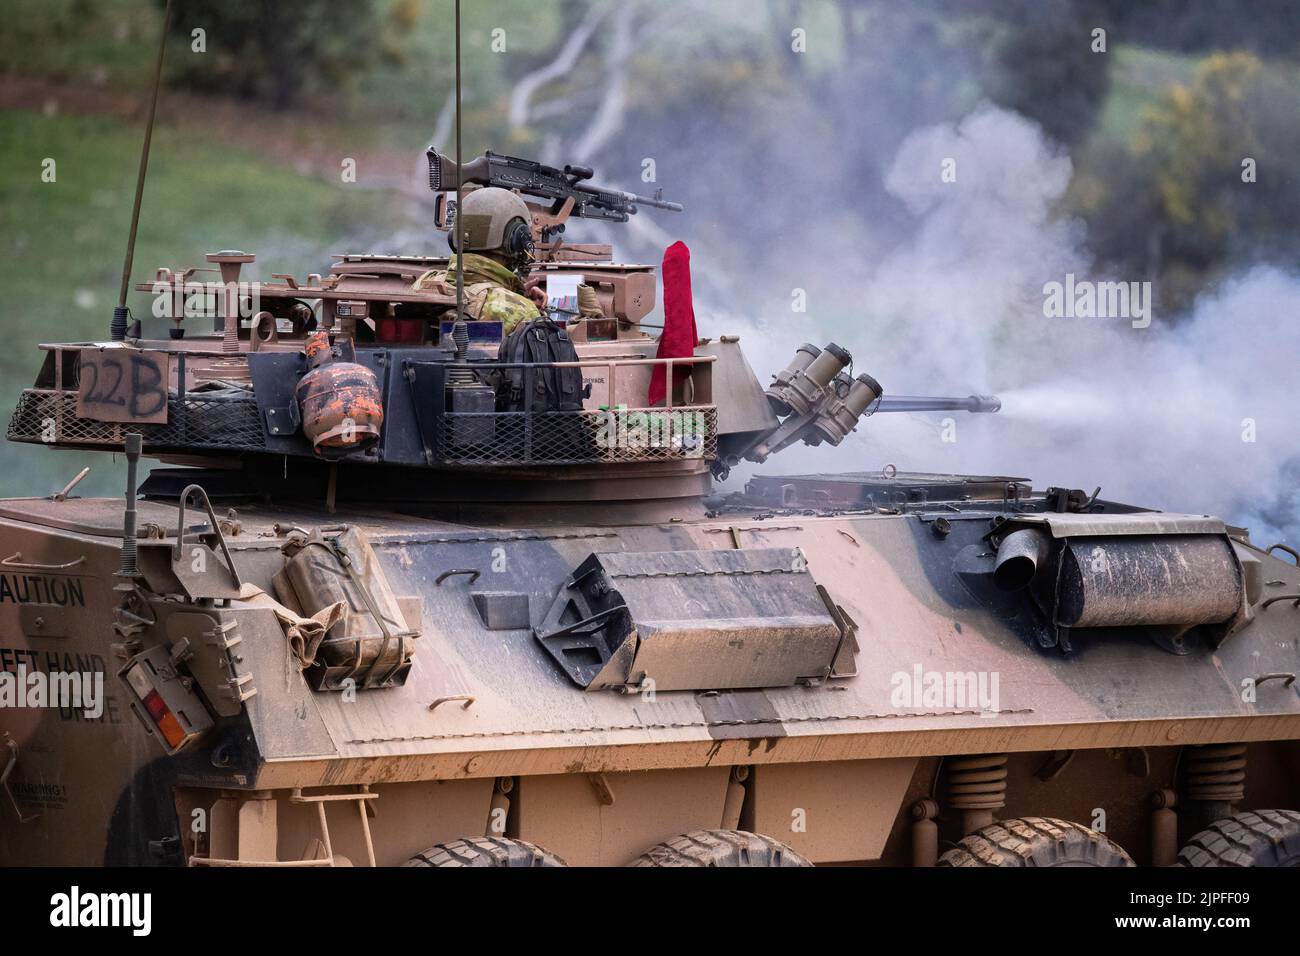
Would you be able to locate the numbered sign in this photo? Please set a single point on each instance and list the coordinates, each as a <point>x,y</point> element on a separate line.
<point>123,385</point>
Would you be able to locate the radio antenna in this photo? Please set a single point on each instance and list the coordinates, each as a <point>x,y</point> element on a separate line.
<point>460,332</point>
<point>117,330</point>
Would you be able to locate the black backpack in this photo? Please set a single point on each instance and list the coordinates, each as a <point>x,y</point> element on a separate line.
<point>554,389</point>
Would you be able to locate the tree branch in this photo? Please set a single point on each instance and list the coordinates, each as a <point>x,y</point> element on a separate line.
<point>521,96</point>
<point>608,119</point>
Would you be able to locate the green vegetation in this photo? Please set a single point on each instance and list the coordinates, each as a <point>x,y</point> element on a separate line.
<point>1138,77</point>
<point>97,43</point>
<point>1164,183</point>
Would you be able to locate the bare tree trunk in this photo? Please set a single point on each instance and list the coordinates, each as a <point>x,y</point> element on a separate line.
<point>521,96</point>
<point>446,115</point>
<point>609,115</point>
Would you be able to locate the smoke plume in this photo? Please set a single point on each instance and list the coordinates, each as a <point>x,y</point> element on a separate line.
<point>1191,414</point>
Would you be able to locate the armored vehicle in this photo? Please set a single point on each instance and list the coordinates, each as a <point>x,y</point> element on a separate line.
<point>368,610</point>
<point>410,585</point>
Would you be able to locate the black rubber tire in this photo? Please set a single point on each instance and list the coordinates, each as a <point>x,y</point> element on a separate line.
<point>485,851</point>
<point>720,848</point>
<point>1036,841</point>
<point>1256,838</point>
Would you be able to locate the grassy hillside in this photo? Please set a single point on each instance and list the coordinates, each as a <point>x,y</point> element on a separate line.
<point>1138,77</point>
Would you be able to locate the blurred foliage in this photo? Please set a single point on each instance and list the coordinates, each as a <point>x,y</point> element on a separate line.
<point>1265,27</point>
<point>1138,76</point>
<point>1043,64</point>
<point>1171,201</point>
<point>98,43</point>
<point>277,50</point>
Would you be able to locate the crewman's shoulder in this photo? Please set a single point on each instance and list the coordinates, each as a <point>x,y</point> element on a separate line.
<point>434,280</point>
<point>501,304</point>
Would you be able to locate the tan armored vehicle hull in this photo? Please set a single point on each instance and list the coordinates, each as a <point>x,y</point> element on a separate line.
<point>488,737</point>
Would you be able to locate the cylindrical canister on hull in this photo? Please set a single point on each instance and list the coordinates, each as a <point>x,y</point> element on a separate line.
<point>1147,580</point>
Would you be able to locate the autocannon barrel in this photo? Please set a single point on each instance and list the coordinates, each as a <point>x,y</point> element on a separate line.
<point>939,403</point>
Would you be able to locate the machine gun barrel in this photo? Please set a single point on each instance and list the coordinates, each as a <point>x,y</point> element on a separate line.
<point>536,180</point>
<point>652,202</point>
<point>939,403</point>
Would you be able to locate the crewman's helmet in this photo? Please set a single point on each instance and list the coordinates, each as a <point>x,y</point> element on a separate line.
<point>491,219</point>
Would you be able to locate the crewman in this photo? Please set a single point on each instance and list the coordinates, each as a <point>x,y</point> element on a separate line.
<point>498,245</point>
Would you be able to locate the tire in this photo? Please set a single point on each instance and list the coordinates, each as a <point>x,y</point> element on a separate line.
<point>720,848</point>
<point>485,851</point>
<point>1035,841</point>
<point>1257,838</point>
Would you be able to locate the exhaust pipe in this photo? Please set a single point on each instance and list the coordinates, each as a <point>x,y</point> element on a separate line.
<point>1019,557</point>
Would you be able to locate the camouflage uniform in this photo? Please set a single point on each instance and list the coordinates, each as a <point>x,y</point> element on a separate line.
<point>492,292</point>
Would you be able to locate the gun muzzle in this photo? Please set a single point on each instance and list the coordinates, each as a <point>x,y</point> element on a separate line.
<point>652,202</point>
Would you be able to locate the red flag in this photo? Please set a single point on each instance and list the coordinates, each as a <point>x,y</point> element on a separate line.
<point>679,335</point>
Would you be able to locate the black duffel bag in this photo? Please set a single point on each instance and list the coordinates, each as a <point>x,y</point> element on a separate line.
<point>550,432</point>
<point>553,389</point>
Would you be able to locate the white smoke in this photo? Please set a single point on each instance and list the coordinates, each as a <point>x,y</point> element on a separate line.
<point>1155,416</point>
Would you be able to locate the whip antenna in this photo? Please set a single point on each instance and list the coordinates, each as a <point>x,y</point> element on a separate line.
<point>117,330</point>
<point>460,332</point>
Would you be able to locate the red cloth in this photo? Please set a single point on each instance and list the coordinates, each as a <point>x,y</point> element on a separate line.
<point>679,335</point>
